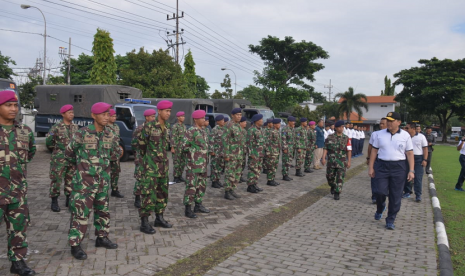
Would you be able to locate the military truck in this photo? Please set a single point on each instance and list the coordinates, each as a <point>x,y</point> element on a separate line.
<point>125,100</point>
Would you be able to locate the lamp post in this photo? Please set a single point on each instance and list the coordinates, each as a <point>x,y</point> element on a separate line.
<point>25,7</point>
<point>235,79</point>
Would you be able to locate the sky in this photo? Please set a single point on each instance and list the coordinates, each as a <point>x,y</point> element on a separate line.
<point>365,39</point>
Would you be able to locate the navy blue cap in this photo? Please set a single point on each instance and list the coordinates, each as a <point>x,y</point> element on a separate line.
<point>226,119</point>
<point>243,119</point>
<point>339,123</point>
<point>207,117</point>
<point>303,120</point>
<point>265,124</point>
<point>276,121</point>
<point>236,110</point>
<point>257,117</point>
<point>291,119</point>
<point>219,118</point>
<point>269,120</point>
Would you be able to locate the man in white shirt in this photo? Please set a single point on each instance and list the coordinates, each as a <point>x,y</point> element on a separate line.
<point>355,140</point>
<point>362,139</point>
<point>382,125</point>
<point>392,146</point>
<point>461,148</point>
<point>420,153</point>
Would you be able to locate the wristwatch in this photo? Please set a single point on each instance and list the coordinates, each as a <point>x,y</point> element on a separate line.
<point>412,171</point>
<point>425,160</point>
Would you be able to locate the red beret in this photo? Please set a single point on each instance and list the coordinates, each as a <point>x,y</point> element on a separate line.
<point>100,107</point>
<point>112,112</point>
<point>164,105</point>
<point>312,123</point>
<point>66,108</point>
<point>150,112</point>
<point>180,113</point>
<point>8,96</point>
<point>198,114</point>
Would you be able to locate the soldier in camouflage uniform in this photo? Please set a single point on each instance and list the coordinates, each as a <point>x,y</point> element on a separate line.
<point>217,161</point>
<point>301,144</point>
<point>243,123</point>
<point>339,151</point>
<point>197,148</point>
<point>208,130</point>
<point>256,148</point>
<point>153,142</point>
<point>233,145</point>
<point>17,148</point>
<point>274,146</point>
<point>311,139</point>
<point>58,138</point>
<point>149,115</point>
<point>268,126</point>
<point>92,149</point>
<point>288,140</point>
<point>114,164</point>
<point>178,131</point>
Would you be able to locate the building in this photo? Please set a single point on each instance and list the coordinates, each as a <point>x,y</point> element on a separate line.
<point>311,105</point>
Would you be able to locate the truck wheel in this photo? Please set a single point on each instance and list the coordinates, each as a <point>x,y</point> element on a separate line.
<point>125,156</point>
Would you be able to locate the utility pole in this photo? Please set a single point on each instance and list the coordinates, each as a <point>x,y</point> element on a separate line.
<point>329,86</point>
<point>177,33</point>
<point>63,52</point>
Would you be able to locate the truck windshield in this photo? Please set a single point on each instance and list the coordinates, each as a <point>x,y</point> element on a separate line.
<point>267,114</point>
<point>139,113</point>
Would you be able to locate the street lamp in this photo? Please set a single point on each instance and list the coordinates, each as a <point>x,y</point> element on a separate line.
<point>25,7</point>
<point>235,79</point>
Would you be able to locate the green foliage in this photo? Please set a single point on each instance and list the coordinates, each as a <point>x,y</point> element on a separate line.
<point>104,69</point>
<point>352,101</point>
<point>329,109</point>
<point>201,88</point>
<point>217,95</point>
<point>304,112</point>
<point>80,69</point>
<point>226,84</point>
<point>389,90</point>
<point>5,71</point>
<point>254,94</point>
<point>189,73</point>
<point>122,62</point>
<point>27,91</point>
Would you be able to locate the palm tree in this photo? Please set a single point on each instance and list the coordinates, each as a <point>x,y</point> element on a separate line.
<point>352,101</point>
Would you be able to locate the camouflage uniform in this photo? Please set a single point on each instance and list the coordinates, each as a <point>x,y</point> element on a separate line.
<point>244,156</point>
<point>91,152</point>
<point>300,144</point>
<point>233,145</point>
<point>17,148</point>
<point>311,139</point>
<point>179,159</point>
<point>256,149</point>
<point>58,138</point>
<point>288,140</point>
<point>273,149</point>
<point>138,172</point>
<point>153,142</point>
<point>196,147</point>
<point>217,161</point>
<point>336,147</point>
<point>115,165</point>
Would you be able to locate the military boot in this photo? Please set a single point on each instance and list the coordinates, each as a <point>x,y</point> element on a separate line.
<point>215,184</point>
<point>177,180</point>
<point>116,193</point>
<point>161,222</point>
<point>271,183</point>
<point>145,226</point>
<point>67,201</point>
<point>299,173</point>
<point>181,179</point>
<point>21,268</point>
<point>233,193</point>
<point>78,253</point>
<point>308,170</point>
<point>265,171</point>
<point>55,206</point>
<point>336,196</point>
<point>105,242</point>
<point>227,195</point>
<point>276,182</point>
<point>252,189</point>
<point>221,184</point>
<point>199,208</point>
<point>241,180</point>
<point>332,190</point>
<point>287,178</point>
<point>189,212</point>
<point>258,188</point>
<point>137,203</point>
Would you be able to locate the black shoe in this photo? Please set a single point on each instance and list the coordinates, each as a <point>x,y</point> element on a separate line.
<point>199,208</point>
<point>181,179</point>
<point>276,183</point>
<point>145,226</point>
<point>233,193</point>
<point>336,196</point>
<point>21,268</point>
<point>332,190</point>
<point>116,193</point>
<point>177,180</point>
<point>227,195</point>
<point>161,222</point>
<point>292,166</point>
<point>271,183</point>
<point>78,253</point>
<point>265,171</point>
<point>252,189</point>
<point>287,178</point>
<point>67,201</point>
<point>215,184</point>
<point>189,212</point>
<point>308,171</point>
<point>137,202</point>
<point>299,173</point>
<point>242,180</point>
<point>105,242</point>
<point>55,207</point>
<point>221,184</point>
<point>258,188</point>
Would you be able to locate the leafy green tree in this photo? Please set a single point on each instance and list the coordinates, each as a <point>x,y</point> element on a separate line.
<point>254,94</point>
<point>226,84</point>
<point>389,90</point>
<point>189,73</point>
<point>201,88</point>
<point>352,101</point>
<point>217,95</point>
<point>27,91</point>
<point>5,71</point>
<point>80,69</point>
<point>104,69</point>
<point>121,63</point>
<point>435,87</point>
<point>329,109</point>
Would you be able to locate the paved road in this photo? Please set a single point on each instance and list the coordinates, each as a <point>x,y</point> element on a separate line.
<point>342,238</point>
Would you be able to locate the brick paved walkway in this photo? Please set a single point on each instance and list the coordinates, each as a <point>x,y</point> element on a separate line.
<point>342,238</point>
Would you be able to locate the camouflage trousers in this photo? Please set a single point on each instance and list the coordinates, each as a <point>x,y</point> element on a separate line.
<point>287,161</point>
<point>216,167</point>
<point>244,162</point>
<point>179,163</point>
<point>233,173</point>
<point>300,158</point>
<point>16,217</point>
<point>154,195</point>
<point>273,161</point>
<point>61,169</point>
<point>335,177</point>
<point>196,184</point>
<point>137,176</point>
<point>80,206</point>
<point>308,159</point>
<point>115,170</point>
<point>255,169</point>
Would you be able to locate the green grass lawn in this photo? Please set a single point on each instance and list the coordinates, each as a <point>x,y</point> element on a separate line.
<point>446,169</point>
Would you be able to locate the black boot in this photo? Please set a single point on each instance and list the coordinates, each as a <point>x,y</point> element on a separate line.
<point>220,184</point>
<point>336,196</point>
<point>265,171</point>
<point>21,268</point>
<point>287,178</point>
<point>332,190</point>
<point>145,226</point>
<point>55,206</point>
<point>271,183</point>
<point>105,242</point>
<point>215,184</point>
<point>299,173</point>
<point>308,170</point>
<point>242,180</point>
<point>161,222</point>
<point>116,193</point>
<point>181,179</point>
<point>276,183</point>
<point>252,189</point>
<point>177,180</point>
<point>189,212</point>
<point>78,253</point>
<point>233,193</point>
<point>258,188</point>
<point>199,208</point>
<point>137,203</point>
<point>227,195</point>
<point>67,201</point>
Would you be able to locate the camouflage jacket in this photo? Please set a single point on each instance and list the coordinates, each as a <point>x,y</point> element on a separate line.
<point>288,138</point>
<point>337,148</point>
<point>91,152</point>
<point>274,143</point>
<point>135,143</point>
<point>59,137</point>
<point>153,144</point>
<point>256,142</point>
<point>17,147</point>
<point>178,132</point>
<point>300,138</point>
<point>244,137</point>
<point>115,129</point>
<point>233,141</point>
<point>215,140</point>
<point>196,145</point>
<point>311,135</point>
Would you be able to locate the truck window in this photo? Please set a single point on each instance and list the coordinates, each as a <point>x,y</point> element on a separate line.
<point>139,113</point>
<point>78,98</point>
<point>249,114</point>
<point>124,115</point>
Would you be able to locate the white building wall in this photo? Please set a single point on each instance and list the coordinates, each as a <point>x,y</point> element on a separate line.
<point>378,110</point>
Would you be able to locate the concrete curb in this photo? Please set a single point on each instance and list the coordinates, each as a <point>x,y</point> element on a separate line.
<point>445,262</point>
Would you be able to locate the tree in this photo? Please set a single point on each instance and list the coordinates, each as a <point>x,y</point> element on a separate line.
<point>329,109</point>
<point>104,69</point>
<point>435,87</point>
<point>27,91</point>
<point>254,94</point>
<point>122,62</point>
<point>217,95</point>
<point>5,71</point>
<point>201,88</point>
<point>389,90</point>
<point>352,101</point>
<point>189,73</point>
<point>226,84</point>
<point>80,69</point>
